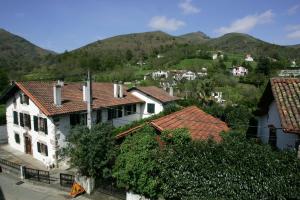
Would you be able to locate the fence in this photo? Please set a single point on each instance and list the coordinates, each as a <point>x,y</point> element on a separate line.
<point>66,180</point>
<point>38,175</point>
<point>10,166</point>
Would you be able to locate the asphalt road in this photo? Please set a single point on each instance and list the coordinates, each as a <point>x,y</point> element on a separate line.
<point>28,191</point>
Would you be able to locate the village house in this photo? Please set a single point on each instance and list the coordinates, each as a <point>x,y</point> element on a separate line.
<point>41,114</point>
<point>218,97</point>
<point>239,71</point>
<point>278,113</point>
<point>217,55</point>
<point>200,125</point>
<point>249,58</point>
<point>159,74</point>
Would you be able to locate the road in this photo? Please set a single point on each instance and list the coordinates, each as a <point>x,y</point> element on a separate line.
<point>28,191</point>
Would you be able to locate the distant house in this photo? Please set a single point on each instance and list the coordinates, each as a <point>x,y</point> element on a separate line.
<point>159,56</point>
<point>200,125</point>
<point>239,71</point>
<point>289,72</point>
<point>218,97</point>
<point>189,75</point>
<point>293,63</point>
<point>41,114</point>
<point>159,74</point>
<point>217,55</point>
<point>278,113</point>
<point>249,58</point>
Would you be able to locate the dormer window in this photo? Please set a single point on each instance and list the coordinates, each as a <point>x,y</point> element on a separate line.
<point>24,99</point>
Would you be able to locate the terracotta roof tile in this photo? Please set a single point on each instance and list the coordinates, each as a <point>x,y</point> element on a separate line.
<point>156,93</point>
<point>200,124</point>
<point>41,93</point>
<point>286,92</point>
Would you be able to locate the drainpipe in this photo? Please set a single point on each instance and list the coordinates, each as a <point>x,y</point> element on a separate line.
<point>89,98</point>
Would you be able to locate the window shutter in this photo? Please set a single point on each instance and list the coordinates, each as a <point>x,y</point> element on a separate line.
<point>21,98</point>
<point>46,150</point>
<point>36,123</point>
<point>16,120</point>
<point>46,127</point>
<point>22,119</point>
<point>28,121</point>
<point>39,147</point>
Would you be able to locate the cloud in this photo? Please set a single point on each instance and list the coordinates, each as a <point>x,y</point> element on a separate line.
<point>247,23</point>
<point>187,7</point>
<point>293,10</point>
<point>292,27</point>
<point>163,23</point>
<point>294,31</point>
<point>294,35</point>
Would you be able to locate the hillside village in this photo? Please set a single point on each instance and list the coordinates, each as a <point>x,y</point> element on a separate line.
<point>155,115</point>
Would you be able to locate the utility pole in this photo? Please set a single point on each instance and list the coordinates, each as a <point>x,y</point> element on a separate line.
<point>89,100</point>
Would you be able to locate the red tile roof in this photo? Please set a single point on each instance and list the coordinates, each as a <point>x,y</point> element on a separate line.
<point>156,93</point>
<point>41,93</point>
<point>286,92</point>
<point>200,124</point>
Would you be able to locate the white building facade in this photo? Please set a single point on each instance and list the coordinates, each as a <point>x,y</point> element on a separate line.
<point>40,128</point>
<point>239,71</point>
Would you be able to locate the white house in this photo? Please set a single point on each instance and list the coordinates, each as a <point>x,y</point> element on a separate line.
<point>160,74</point>
<point>41,114</point>
<point>239,71</point>
<point>218,55</point>
<point>218,97</point>
<point>293,63</point>
<point>249,58</point>
<point>278,113</point>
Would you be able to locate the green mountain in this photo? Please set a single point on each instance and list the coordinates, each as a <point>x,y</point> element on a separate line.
<point>18,54</point>
<point>244,43</point>
<point>195,37</point>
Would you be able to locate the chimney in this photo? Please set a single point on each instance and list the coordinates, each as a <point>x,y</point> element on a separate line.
<point>116,91</point>
<point>57,94</point>
<point>171,91</point>
<point>89,102</point>
<point>121,90</point>
<point>84,92</point>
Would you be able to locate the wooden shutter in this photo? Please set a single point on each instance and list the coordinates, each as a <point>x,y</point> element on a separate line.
<point>39,147</point>
<point>16,121</point>
<point>45,126</point>
<point>46,150</point>
<point>22,119</point>
<point>36,123</point>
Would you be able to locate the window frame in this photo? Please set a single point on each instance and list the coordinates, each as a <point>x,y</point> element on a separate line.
<point>17,138</point>
<point>42,148</point>
<point>40,124</point>
<point>150,109</point>
<point>15,117</point>
<point>80,119</point>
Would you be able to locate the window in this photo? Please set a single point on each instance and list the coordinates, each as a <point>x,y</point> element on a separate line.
<point>99,116</point>
<point>111,114</point>
<point>17,138</point>
<point>130,109</point>
<point>42,148</point>
<point>40,124</point>
<point>25,120</point>
<point>272,136</point>
<point>120,111</point>
<point>16,119</point>
<point>151,108</point>
<point>24,99</point>
<point>78,119</point>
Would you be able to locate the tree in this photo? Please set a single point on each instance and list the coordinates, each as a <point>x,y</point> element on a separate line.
<point>263,66</point>
<point>4,81</point>
<point>129,55</point>
<point>91,151</point>
<point>136,168</point>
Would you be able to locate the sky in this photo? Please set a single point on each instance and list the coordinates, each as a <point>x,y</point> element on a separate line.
<point>61,25</point>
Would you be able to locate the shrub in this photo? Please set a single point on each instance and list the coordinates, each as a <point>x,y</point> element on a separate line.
<point>234,169</point>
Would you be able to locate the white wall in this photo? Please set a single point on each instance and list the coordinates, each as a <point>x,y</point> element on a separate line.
<point>3,134</point>
<point>33,110</point>
<point>132,196</point>
<point>158,105</point>
<point>284,140</point>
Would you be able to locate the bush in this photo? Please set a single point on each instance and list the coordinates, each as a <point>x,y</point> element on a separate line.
<point>91,151</point>
<point>235,169</point>
<point>136,166</point>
